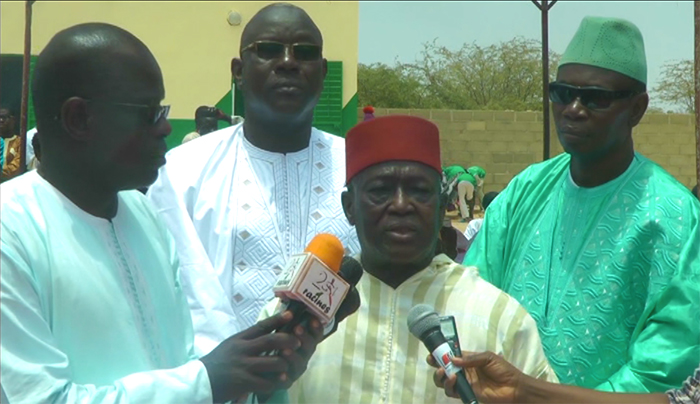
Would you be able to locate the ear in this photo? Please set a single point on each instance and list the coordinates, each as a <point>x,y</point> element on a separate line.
<point>74,117</point>
<point>347,199</point>
<point>443,209</point>
<point>237,71</point>
<point>638,109</point>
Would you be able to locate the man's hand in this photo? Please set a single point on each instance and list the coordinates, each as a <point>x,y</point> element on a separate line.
<point>235,367</point>
<point>299,359</point>
<point>492,378</point>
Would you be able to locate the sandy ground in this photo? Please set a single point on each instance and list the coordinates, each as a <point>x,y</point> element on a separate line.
<point>454,215</point>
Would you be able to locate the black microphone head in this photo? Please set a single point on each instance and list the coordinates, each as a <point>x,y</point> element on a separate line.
<point>421,319</point>
<point>350,270</point>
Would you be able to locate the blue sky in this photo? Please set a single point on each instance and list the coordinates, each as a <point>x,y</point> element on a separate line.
<point>397,29</point>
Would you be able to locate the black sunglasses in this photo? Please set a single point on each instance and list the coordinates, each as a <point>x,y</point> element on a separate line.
<point>593,98</point>
<point>268,50</point>
<point>154,112</point>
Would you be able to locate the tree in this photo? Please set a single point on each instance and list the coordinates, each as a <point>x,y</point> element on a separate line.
<point>507,75</point>
<point>676,86</point>
<point>384,86</point>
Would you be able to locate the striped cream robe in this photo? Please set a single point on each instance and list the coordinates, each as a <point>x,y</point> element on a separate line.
<point>372,357</point>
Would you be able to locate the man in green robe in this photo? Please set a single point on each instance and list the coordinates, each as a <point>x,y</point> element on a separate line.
<point>600,244</point>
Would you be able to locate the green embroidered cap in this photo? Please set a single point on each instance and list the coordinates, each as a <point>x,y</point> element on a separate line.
<point>610,43</point>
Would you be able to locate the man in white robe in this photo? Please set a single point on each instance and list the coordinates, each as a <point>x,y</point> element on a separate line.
<point>241,200</point>
<point>394,200</point>
<point>92,308</point>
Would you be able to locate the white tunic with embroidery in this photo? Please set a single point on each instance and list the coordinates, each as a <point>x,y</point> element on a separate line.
<point>238,212</point>
<point>92,309</point>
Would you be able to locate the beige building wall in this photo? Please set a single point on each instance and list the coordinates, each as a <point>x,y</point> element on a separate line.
<point>505,142</point>
<point>192,40</point>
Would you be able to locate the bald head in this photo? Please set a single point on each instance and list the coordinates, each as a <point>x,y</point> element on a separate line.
<point>87,60</point>
<point>275,13</point>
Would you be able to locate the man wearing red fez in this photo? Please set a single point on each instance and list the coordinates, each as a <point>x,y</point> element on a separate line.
<point>394,199</point>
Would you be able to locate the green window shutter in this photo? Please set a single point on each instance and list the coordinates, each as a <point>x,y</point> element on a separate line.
<point>238,108</point>
<point>12,68</point>
<point>31,118</point>
<point>328,115</point>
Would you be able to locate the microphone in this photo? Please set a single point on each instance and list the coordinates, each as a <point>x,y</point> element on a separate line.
<point>424,324</point>
<point>351,271</point>
<point>310,282</point>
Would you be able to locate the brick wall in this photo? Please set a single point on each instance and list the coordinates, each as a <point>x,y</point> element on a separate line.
<point>505,142</point>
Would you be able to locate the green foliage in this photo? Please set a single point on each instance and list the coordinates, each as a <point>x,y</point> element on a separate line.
<point>384,86</point>
<point>676,86</point>
<point>504,76</point>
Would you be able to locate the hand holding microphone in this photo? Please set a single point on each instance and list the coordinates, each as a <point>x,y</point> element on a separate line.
<point>497,381</point>
<point>235,367</point>
<point>315,284</point>
<point>494,379</point>
<point>424,324</point>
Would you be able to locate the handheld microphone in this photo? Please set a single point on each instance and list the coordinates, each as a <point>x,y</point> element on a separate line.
<point>424,324</point>
<point>310,281</point>
<point>351,271</point>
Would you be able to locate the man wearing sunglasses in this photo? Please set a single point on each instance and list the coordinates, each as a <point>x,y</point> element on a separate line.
<point>262,189</point>
<point>92,308</point>
<point>600,244</point>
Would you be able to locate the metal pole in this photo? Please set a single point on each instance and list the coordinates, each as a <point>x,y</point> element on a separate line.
<point>544,8</point>
<point>545,78</point>
<point>25,86</point>
<point>697,94</point>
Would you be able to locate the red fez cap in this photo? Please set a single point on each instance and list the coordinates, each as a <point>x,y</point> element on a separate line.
<point>391,138</point>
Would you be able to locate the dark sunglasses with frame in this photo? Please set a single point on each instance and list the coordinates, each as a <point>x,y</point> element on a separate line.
<point>593,98</point>
<point>268,50</point>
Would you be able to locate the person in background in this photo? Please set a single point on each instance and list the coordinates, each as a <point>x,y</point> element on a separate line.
<point>242,200</point>
<point>474,225</point>
<point>206,120</point>
<point>600,244</point>
<point>10,144</point>
<point>465,185</point>
<point>369,112</point>
<point>466,195</point>
<point>33,163</point>
<point>451,240</point>
<point>494,380</point>
<point>92,306</point>
<point>30,146</point>
<point>479,174</point>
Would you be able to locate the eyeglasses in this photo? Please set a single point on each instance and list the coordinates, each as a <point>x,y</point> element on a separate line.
<point>268,50</point>
<point>593,98</point>
<point>154,112</point>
